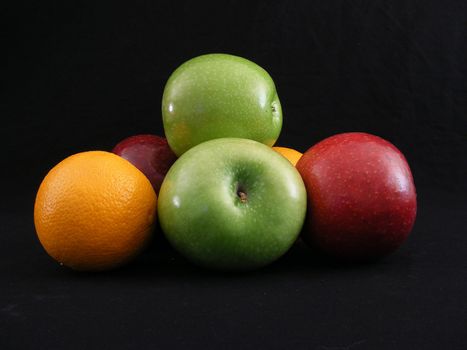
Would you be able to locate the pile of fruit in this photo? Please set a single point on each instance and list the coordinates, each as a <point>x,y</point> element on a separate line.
<point>225,197</point>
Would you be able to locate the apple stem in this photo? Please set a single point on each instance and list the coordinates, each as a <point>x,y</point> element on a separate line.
<point>242,195</point>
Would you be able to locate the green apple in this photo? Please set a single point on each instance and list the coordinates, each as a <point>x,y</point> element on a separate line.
<point>232,204</point>
<point>218,95</point>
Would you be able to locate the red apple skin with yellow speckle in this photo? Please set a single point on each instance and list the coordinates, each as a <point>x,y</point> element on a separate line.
<point>151,154</point>
<point>362,201</point>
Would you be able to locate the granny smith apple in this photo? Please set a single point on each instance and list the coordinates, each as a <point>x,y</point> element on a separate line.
<point>219,95</point>
<point>232,204</point>
<point>361,196</point>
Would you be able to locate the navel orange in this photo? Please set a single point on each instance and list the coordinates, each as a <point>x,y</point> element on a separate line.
<point>292,155</point>
<point>94,211</point>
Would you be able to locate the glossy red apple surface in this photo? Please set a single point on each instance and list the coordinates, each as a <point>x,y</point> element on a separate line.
<point>361,196</point>
<point>149,153</point>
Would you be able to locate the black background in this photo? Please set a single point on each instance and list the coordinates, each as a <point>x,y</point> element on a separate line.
<point>82,76</point>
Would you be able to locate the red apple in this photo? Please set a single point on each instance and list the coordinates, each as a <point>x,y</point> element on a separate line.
<point>361,196</point>
<point>149,153</point>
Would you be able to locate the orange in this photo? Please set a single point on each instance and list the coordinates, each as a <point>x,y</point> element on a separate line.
<point>94,211</point>
<point>292,155</point>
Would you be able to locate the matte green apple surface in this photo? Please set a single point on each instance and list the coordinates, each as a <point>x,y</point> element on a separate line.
<point>218,95</point>
<point>232,204</point>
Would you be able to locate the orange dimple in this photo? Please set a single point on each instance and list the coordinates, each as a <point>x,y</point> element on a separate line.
<point>94,211</point>
<point>292,155</point>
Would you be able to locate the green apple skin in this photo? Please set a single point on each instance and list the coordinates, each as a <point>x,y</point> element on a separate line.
<point>219,95</point>
<point>232,204</point>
